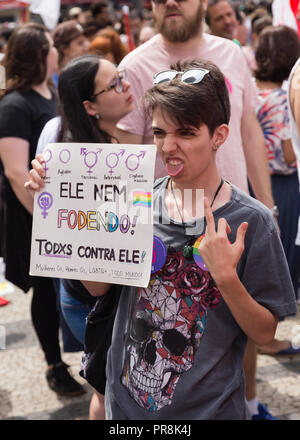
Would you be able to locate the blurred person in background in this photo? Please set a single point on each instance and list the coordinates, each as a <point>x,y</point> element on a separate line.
<point>242,29</point>
<point>256,28</point>
<point>75,13</point>
<point>70,41</point>
<point>118,49</point>
<point>278,49</point>
<point>101,46</point>
<point>93,97</point>
<point>28,103</point>
<point>221,19</point>
<point>148,31</point>
<point>136,24</point>
<point>101,14</point>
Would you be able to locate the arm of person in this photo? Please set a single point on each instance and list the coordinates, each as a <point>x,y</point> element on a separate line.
<point>295,105</point>
<point>124,137</point>
<point>256,159</point>
<point>288,152</point>
<point>95,288</point>
<point>221,258</point>
<point>14,153</point>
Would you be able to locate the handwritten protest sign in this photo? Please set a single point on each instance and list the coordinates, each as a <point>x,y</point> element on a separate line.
<point>93,219</point>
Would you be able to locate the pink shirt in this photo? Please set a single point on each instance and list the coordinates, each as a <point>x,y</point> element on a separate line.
<point>156,55</point>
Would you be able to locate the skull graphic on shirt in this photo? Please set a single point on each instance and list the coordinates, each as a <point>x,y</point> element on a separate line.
<point>165,330</point>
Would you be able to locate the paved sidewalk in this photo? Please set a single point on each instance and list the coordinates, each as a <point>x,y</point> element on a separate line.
<point>24,393</point>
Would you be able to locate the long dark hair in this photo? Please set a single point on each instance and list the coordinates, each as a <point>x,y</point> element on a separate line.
<point>76,84</point>
<point>25,61</point>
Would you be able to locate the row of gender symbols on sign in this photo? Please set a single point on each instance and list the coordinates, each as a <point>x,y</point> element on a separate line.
<point>90,158</point>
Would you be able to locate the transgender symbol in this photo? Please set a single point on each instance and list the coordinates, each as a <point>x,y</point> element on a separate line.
<point>90,158</point>
<point>45,201</point>
<point>112,160</point>
<point>133,160</point>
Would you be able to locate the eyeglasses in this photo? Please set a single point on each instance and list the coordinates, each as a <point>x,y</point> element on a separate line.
<point>162,2</point>
<point>191,76</point>
<point>116,84</point>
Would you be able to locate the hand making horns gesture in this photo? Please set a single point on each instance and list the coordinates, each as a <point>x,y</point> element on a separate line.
<point>220,256</point>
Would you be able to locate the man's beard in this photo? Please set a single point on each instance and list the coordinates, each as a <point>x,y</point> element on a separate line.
<point>182,31</point>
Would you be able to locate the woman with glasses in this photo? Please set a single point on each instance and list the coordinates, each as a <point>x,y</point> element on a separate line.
<point>94,96</point>
<point>177,347</point>
<point>27,103</point>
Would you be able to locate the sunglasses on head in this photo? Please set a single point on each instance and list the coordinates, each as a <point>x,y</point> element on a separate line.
<point>190,76</point>
<point>116,84</point>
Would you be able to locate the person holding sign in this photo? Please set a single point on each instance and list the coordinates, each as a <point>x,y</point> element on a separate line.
<point>177,347</point>
<point>28,102</point>
<point>94,96</point>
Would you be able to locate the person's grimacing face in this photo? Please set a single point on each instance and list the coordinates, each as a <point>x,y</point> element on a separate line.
<point>223,21</point>
<point>187,153</point>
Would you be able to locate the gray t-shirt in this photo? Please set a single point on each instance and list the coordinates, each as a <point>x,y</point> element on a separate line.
<point>177,352</point>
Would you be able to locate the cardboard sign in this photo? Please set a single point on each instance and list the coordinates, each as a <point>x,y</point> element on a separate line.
<point>94,220</point>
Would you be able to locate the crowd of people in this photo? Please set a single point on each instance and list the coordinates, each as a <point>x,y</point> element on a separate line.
<point>213,83</point>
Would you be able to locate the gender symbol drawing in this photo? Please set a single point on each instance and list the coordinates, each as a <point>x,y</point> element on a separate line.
<point>112,160</point>
<point>133,160</point>
<point>45,201</point>
<point>47,157</point>
<point>90,158</point>
<point>65,156</point>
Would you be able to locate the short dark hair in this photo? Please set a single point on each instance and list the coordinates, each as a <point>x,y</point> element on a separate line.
<point>262,23</point>
<point>257,14</point>
<point>212,3</point>
<point>25,60</point>
<point>96,8</point>
<point>64,34</point>
<point>191,105</point>
<point>278,48</point>
<point>76,84</point>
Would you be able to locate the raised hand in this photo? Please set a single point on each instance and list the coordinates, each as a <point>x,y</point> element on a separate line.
<point>220,256</point>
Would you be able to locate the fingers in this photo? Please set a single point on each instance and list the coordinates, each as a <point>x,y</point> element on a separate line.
<point>240,236</point>
<point>37,164</point>
<point>40,158</point>
<point>31,187</point>
<point>35,176</point>
<point>210,221</point>
<point>223,227</point>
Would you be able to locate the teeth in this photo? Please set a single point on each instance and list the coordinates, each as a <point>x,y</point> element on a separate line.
<point>149,385</point>
<point>166,379</point>
<point>174,162</point>
<point>144,383</point>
